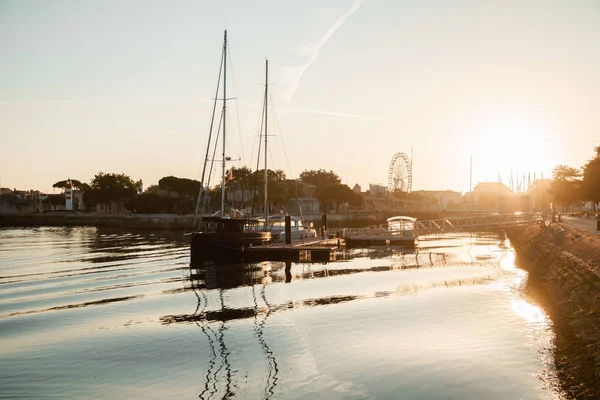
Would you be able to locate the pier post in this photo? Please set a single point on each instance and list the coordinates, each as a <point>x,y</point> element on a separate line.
<point>288,229</point>
<point>288,271</point>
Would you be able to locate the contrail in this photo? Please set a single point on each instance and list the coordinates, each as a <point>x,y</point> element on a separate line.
<point>59,101</point>
<point>315,111</point>
<point>317,48</point>
<point>333,113</point>
<point>10,102</point>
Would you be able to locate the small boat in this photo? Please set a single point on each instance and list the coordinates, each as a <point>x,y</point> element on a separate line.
<point>397,231</point>
<point>276,225</point>
<point>224,238</point>
<point>401,225</point>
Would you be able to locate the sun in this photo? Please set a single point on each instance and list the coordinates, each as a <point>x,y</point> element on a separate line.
<point>510,145</point>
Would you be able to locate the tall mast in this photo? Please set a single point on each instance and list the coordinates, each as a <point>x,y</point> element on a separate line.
<point>266,109</point>
<point>224,120</point>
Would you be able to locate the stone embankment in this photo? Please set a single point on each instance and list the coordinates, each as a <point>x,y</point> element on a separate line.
<point>130,221</point>
<point>564,278</point>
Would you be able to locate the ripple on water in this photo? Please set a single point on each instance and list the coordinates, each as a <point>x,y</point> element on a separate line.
<point>122,315</point>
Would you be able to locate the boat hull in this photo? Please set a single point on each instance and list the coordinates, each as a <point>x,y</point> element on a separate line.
<point>211,247</point>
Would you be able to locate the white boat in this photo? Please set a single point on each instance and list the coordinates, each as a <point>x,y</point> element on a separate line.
<point>276,225</point>
<point>402,226</point>
<point>397,231</point>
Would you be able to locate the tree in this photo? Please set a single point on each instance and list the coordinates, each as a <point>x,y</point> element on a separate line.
<point>591,178</point>
<point>566,185</point>
<point>106,188</point>
<point>320,177</point>
<point>242,176</point>
<point>75,184</point>
<point>277,188</point>
<point>54,200</point>
<point>181,186</point>
<point>151,203</point>
<point>327,187</point>
<point>186,190</point>
<point>339,194</point>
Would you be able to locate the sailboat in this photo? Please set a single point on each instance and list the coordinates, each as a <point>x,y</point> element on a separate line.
<point>224,238</point>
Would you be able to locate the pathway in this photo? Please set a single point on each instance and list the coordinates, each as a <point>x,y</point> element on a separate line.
<point>585,224</point>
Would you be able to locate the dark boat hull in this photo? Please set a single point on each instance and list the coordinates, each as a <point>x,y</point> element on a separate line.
<point>218,247</point>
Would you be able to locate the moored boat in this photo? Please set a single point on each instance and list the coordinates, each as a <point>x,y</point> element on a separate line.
<point>276,225</point>
<point>397,231</point>
<point>225,238</point>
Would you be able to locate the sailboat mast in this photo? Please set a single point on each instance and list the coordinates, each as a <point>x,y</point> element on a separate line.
<point>224,121</point>
<point>266,110</point>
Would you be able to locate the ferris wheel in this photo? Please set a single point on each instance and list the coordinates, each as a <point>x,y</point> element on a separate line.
<point>400,173</point>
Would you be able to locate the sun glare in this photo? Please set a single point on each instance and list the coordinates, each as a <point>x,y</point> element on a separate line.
<point>510,145</point>
<point>529,312</point>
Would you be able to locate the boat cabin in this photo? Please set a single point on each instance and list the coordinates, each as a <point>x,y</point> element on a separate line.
<point>229,225</point>
<point>402,225</point>
<point>276,225</point>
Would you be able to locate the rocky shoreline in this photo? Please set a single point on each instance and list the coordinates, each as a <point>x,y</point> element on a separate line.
<point>564,278</point>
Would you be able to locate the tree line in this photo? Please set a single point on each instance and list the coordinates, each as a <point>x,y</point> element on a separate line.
<point>244,189</point>
<point>572,185</point>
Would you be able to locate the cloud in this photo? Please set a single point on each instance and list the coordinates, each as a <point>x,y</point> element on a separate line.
<point>294,74</point>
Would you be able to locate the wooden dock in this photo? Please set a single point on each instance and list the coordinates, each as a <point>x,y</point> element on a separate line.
<point>319,251</point>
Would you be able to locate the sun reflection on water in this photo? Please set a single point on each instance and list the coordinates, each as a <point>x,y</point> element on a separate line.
<point>530,313</point>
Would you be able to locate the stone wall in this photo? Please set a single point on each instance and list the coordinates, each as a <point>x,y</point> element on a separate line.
<point>564,280</point>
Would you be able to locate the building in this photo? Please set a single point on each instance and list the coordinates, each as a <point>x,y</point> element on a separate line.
<point>377,190</point>
<point>488,195</point>
<point>303,198</point>
<point>21,201</point>
<point>441,199</point>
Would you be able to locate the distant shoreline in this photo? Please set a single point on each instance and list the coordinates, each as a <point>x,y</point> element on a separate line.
<point>185,222</point>
<point>131,221</point>
<point>128,221</point>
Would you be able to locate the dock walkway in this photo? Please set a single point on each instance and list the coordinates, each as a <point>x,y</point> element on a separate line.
<point>301,250</point>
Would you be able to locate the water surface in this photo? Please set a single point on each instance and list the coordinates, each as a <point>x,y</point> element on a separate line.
<point>93,313</point>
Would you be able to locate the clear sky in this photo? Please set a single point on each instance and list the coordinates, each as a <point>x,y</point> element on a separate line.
<point>126,86</point>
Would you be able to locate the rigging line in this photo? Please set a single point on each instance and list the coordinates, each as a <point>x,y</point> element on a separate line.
<point>212,119</point>
<point>262,119</point>
<point>212,161</point>
<point>257,135</point>
<point>257,138</point>
<point>286,156</point>
<point>237,109</point>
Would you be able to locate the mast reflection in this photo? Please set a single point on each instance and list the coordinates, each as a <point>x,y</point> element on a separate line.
<point>272,369</point>
<point>222,279</point>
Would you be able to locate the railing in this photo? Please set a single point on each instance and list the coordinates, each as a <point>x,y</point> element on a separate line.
<point>458,224</point>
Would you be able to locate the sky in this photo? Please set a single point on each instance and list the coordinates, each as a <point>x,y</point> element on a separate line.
<point>127,87</point>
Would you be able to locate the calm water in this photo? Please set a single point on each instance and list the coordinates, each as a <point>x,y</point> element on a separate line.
<point>89,313</point>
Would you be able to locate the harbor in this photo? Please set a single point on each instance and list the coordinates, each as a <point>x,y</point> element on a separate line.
<point>279,200</point>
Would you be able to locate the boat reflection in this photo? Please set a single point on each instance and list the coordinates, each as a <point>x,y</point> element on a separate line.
<point>272,367</point>
<point>222,368</point>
